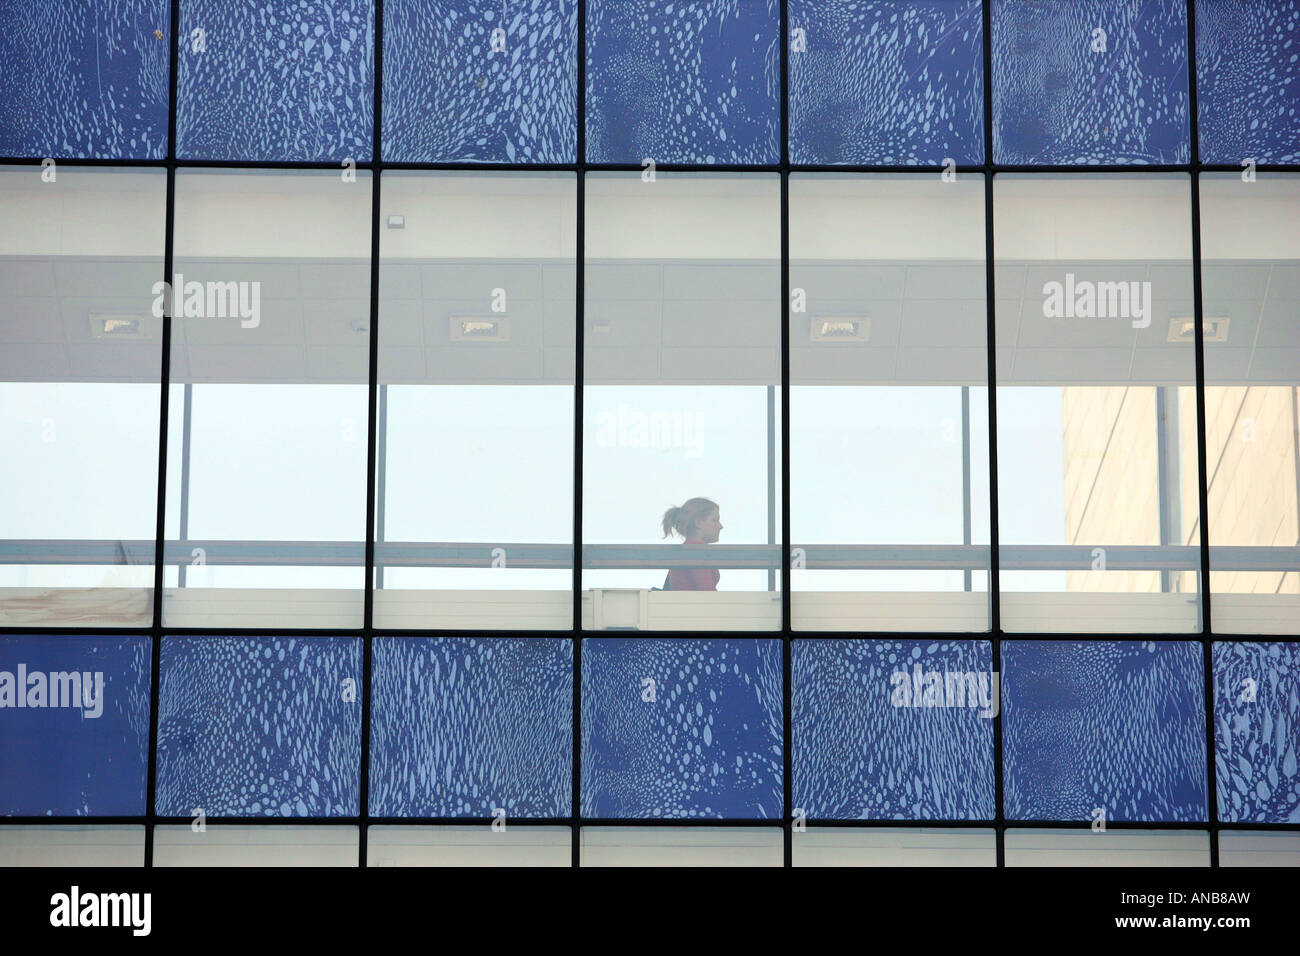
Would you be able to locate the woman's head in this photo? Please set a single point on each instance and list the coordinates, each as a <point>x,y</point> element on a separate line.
<point>698,518</point>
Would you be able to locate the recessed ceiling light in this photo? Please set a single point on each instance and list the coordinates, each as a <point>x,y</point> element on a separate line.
<point>1182,328</point>
<point>839,328</point>
<point>480,329</point>
<point>108,325</point>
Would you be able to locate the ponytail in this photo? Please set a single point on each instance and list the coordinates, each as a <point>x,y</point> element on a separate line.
<point>683,519</point>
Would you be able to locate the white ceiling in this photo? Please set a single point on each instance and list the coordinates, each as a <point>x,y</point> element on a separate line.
<point>660,322</point>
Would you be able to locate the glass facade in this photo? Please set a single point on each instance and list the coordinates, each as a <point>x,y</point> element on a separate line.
<point>748,431</point>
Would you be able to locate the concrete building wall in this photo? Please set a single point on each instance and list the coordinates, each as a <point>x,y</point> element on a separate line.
<point>1112,482</point>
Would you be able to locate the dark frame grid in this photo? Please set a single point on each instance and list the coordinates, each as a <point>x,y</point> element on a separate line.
<point>995,635</point>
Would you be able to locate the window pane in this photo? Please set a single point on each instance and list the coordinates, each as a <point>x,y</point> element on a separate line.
<point>256,846</point>
<point>893,729</point>
<point>1251,280</point>
<point>79,368</point>
<point>469,846</point>
<point>476,370</point>
<point>682,846</point>
<point>84,79</point>
<point>270,352</point>
<point>888,434</point>
<point>45,845</point>
<point>894,846</point>
<point>494,730</point>
<point>1090,81</point>
<point>896,82</point>
<point>1256,689</point>
<point>681,728</point>
<point>681,409</point>
<point>1039,847</point>
<point>1248,80</point>
<point>259,726</point>
<point>74,725</point>
<point>686,81</point>
<point>456,90</point>
<point>1113,726</point>
<point>1259,848</point>
<point>287,82</point>
<point>1097,479</point>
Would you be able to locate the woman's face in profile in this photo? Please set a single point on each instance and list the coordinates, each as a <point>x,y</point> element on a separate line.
<point>710,527</point>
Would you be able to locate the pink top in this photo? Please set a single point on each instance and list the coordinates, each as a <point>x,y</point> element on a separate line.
<point>693,579</point>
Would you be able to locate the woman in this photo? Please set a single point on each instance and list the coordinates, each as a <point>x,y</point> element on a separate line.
<point>698,521</point>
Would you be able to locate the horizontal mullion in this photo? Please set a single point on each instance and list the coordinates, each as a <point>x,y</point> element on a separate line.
<point>110,630</point>
<point>633,822</point>
<point>578,166</point>
<point>530,555</point>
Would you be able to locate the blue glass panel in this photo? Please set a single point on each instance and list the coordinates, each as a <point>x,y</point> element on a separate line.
<point>1090,81</point>
<point>1248,80</point>
<point>896,81</point>
<point>707,745</point>
<point>1117,725</point>
<point>462,726</point>
<point>457,91</point>
<point>79,743</point>
<point>259,726</point>
<point>276,81</point>
<point>683,82</point>
<point>82,79</point>
<point>893,729</point>
<point>1256,716</point>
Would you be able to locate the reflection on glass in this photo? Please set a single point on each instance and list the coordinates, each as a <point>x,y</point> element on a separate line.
<point>74,725</point>
<point>1256,687</point>
<point>84,79</point>
<point>1250,271</point>
<point>677,728</point>
<point>692,81</point>
<point>1097,485</point>
<point>493,732</point>
<point>681,410</point>
<point>280,82</point>
<point>1111,730</point>
<point>894,82</point>
<point>480,81</point>
<point>893,729</point>
<point>1090,81</point>
<point>474,505</point>
<point>259,726</point>
<point>889,376</point>
<point>270,359</point>
<point>1246,81</point>
<point>79,368</point>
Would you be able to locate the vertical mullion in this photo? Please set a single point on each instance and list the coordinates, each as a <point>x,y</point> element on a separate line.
<point>580,186</point>
<point>164,385</point>
<point>1202,474</point>
<point>771,479</point>
<point>787,735</point>
<point>990,304</point>
<point>967,574</point>
<point>381,478</point>
<point>187,413</point>
<point>372,444</point>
